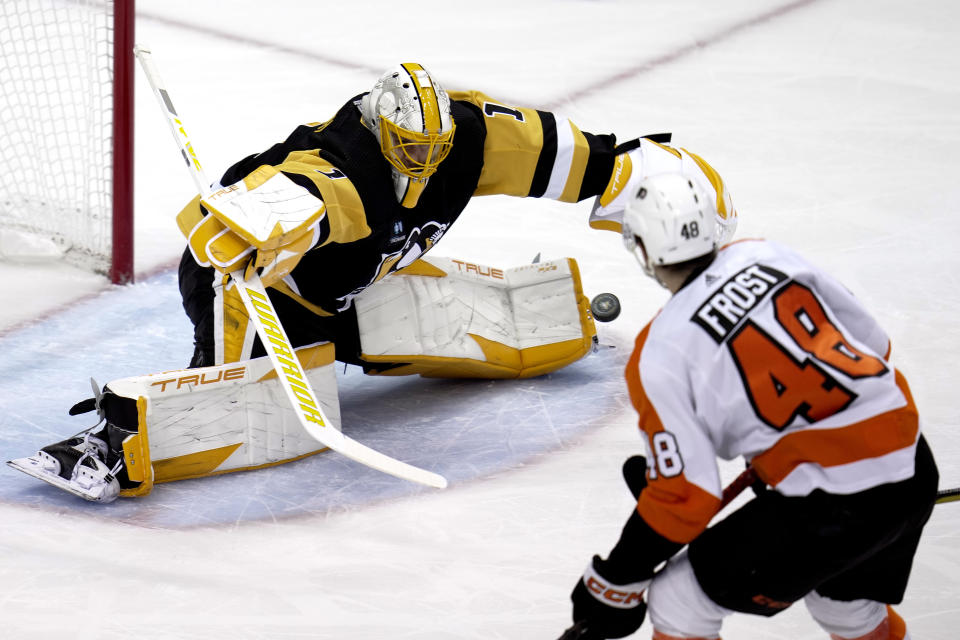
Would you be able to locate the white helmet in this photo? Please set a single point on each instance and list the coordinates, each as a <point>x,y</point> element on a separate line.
<point>410,115</point>
<point>670,219</point>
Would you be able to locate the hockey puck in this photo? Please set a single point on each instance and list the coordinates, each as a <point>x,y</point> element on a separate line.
<point>605,307</point>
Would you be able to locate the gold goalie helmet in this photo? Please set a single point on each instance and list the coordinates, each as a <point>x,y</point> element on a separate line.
<point>409,113</point>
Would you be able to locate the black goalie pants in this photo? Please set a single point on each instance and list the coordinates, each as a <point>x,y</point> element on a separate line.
<point>303,327</point>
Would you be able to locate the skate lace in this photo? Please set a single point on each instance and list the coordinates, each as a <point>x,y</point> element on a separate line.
<point>89,447</point>
<point>79,465</point>
<point>91,450</point>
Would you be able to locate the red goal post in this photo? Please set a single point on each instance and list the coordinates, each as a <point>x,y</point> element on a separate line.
<point>66,122</point>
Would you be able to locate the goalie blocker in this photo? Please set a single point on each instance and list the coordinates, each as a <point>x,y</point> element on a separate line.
<point>439,317</point>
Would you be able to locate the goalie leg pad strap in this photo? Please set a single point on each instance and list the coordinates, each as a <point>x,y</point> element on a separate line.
<point>447,318</point>
<point>136,455</point>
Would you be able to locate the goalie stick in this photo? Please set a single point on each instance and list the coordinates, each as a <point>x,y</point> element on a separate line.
<point>746,478</point>
<point>267,323</point>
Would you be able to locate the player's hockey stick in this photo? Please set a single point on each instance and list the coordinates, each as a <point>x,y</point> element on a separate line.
<point>267,323</point>
<point>749,476</point>
<point>948,495</point>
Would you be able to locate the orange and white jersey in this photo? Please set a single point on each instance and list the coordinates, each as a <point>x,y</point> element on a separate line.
<point>767,357</point>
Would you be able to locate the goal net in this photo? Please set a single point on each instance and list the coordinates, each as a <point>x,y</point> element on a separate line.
<point>66,117</point>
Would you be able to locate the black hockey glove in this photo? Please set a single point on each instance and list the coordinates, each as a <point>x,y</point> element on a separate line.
<point>635,474</point>
<point>602,608</point>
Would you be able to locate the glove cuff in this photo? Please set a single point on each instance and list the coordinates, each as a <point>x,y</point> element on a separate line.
<point>627,596</point>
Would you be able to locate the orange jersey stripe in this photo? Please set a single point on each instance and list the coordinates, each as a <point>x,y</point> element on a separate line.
<point>676,509</point>
<point>673,507</point>
<point>871,438</point>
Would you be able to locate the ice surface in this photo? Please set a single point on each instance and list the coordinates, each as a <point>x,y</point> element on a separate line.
<point>462,429</point>
<point>835,125</point>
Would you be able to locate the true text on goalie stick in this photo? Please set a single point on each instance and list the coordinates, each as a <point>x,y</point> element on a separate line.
<point>267,323</point>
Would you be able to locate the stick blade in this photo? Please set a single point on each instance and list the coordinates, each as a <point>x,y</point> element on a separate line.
<point>382,462</point>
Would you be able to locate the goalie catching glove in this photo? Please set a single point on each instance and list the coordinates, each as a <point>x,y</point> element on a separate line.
<point>645,157</point>
<point>264,222</point>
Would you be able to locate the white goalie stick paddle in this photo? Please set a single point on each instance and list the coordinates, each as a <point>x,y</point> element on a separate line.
<point>264,317</point>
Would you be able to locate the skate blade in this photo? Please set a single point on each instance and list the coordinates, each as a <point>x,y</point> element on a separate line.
<point>32,466</point>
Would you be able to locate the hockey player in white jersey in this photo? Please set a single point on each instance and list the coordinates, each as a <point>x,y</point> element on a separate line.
<point>758,354</point>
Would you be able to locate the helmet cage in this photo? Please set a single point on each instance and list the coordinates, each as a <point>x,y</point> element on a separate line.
<point>414,154</point>
<point>410,115</point>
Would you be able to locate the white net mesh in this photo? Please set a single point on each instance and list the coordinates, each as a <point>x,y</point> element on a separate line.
<point>56,73</point>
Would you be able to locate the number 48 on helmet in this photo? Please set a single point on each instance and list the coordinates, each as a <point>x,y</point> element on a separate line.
<point>670,220</point>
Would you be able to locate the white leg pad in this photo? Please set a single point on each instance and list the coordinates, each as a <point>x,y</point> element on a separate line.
<point>213,420</point>
<point>449,318</point>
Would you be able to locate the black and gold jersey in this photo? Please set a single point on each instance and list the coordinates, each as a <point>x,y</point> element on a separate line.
<point>366,234</point>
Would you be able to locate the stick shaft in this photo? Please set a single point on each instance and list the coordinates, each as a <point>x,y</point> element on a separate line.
<point>749,476</point>
<point>948,495</point>
<point>179,132</point>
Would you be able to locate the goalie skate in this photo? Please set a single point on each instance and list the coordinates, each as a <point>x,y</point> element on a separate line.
<point>75,465</point>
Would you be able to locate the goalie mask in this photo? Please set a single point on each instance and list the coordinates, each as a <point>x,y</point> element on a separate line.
<point>409,113</point>
<point>669,220</point>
